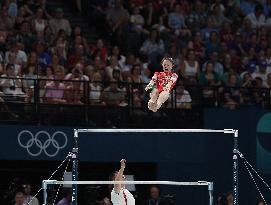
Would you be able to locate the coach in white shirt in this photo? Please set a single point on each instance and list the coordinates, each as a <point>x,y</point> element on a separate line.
<point>120,195</point>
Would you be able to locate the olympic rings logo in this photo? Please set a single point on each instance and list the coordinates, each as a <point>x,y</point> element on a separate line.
<point>36,144</point>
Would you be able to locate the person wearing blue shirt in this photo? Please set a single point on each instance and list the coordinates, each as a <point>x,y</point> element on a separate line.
<point>247,6</point>
<point>44,58</point>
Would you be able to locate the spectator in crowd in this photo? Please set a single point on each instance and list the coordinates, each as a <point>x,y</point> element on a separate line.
<point>247,80</point>
<point>21,57</point>
<point>6,22</point>
<point>197,18</point>
<point>218,16</point>
<point>197,45</point>
<point>25,37</point>
<point>113,96</point>
<point>121,58</point>
<point>50,72</point>
<point>247,6</point>
<point>176,22</point>
<point>209,27</point>
<point>48,36</point>
<point>95,88</point>
<point>118,77</point>
<point>213,44</point>
<point>231,92</point>
<point>154,196</point>
<point>24,15</point>
<point>183,98</point>
<point>246,30</point>
<point>209,77</point>
<point>237,44</point>
<point>136,79</point>
<point>218,67</point>
<point>19,198</point>
<point>145,74</point>
<point>117,18</point>
<point>17,67</point>
<point>100,49</point>
<point>269,80</point>
<point>29,199</point>
<point>104,193</point>
<point>39,23</point>
<point>44,59</point>
<point>257,18</point>
<point>190,68</point>
<point>112,66</point>
<point>260,202</point>
<point>261,72</point>
<point>222,200</point>
<point>12,8</point>
<point>153,48</point>
<point>67,198</point>
<point>54,91</point>
<point>138,22</point>
<point>250,68</point>
<point>60,23</point>
<point>226,33</point>
<point>230,198</point>
<point>77,56</point>
<point>211,80</point>
<point>74,90</point>
<point>11,85</point>
<point>130,61</point>
<point>77,31</point>
<point>30,78</point>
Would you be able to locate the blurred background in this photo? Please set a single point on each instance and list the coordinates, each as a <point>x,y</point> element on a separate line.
<point>85,63</point>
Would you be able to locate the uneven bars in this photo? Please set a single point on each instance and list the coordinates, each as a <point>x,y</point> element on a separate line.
<point>226,131</point>
<point>198,183</point>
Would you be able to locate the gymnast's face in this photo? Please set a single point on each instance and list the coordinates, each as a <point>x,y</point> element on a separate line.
<point>167,65</point>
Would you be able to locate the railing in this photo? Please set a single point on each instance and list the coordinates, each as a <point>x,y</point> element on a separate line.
<point>40,96</point>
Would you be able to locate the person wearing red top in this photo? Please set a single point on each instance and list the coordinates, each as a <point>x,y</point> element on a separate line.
<point>161,84</point>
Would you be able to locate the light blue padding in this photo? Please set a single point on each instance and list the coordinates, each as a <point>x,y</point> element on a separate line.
<point>263,159</point>
<point>263,156</point>
<point>264,124</point>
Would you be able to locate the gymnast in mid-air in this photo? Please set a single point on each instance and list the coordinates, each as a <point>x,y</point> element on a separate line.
<point>161,85</point>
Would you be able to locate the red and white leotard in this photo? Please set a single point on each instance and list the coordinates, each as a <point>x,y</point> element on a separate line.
<point>161,79</point>
<point>124,197</point>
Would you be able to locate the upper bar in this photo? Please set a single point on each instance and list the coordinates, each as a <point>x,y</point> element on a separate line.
<point>199,183</point>
<point>226,131</point>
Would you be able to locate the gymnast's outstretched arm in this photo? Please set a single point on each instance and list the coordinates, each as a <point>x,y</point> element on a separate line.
<point>119,176</point>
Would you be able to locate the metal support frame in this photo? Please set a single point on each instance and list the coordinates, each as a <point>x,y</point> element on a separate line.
<point>235,169</point>
<point>75,167</point>
<point>210,186</point>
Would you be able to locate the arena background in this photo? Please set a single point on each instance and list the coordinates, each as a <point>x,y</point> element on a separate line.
<point>152,156</point>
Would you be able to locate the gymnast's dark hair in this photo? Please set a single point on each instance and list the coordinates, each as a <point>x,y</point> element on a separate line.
<point>169,59</point>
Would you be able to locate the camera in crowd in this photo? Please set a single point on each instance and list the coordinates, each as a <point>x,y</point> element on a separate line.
<point>12,87</point>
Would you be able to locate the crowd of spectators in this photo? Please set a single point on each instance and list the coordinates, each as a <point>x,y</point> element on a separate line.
<point>221,50</point>
<point>223,47</point>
